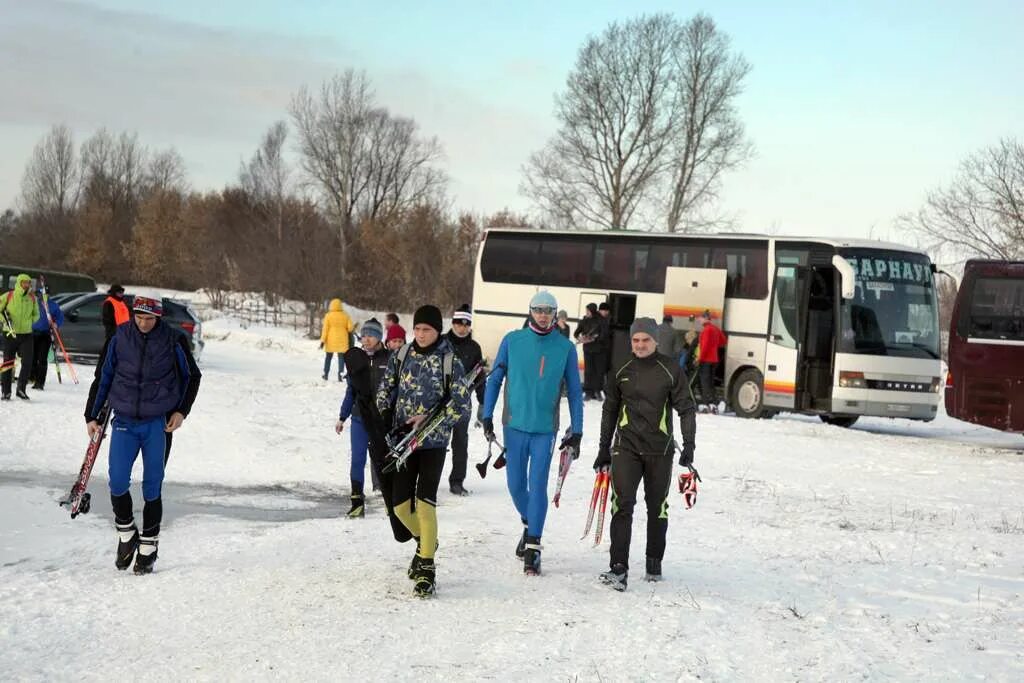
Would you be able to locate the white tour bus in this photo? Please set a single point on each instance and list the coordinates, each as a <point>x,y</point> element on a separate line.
<point>836,328</point>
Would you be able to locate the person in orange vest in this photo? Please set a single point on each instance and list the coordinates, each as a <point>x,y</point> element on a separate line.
<point>335,336</point>
<point>711,340</point>
<point>115,310</point>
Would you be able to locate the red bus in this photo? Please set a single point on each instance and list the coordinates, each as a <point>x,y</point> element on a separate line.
<point>985,383</point>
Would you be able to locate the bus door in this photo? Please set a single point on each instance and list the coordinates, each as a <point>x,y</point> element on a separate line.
<point>691,291</point>
<point>782,384</point>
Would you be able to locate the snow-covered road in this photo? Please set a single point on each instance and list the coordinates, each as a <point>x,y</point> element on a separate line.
<point>892,550</point>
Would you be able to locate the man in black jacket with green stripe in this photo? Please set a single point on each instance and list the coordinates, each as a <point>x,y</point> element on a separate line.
<point>637,411</point>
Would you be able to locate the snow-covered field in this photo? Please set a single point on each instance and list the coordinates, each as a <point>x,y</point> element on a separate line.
<point>892,550</point>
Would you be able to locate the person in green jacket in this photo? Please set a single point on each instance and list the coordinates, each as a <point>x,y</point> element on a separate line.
<point>18,311</point>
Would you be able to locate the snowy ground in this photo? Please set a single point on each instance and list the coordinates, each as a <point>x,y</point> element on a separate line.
<point>889,551</point>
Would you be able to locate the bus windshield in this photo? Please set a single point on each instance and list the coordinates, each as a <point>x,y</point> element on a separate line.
<point>894,311</point>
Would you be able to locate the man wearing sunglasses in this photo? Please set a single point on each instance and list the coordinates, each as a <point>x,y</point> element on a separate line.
<point>534,361</point>
<point>461,338</point>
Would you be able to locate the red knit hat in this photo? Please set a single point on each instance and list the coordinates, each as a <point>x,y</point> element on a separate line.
<point>395,332</point>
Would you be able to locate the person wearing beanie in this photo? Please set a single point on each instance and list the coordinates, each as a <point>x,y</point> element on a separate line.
<point>460,336</point>
<point>594,334</point>
<point>637,444</point>
<point>395,337</point>
<point>533,363</point>
<point>115,311</point>
<point>670,340</point>
<point>149,379</point>
<point>335,335</point>
<point>562,322</point>
<point>19,312</point>
<point>416,380</point>
<point>376,357</point>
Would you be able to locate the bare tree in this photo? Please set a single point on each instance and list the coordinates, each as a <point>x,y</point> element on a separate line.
<point>165,172</point>
<point>615,123</point>
<point>981,214</point>
<point>709,138</point>
<point>363,161</point>
<point>648,111</point>
<point>51,184</point>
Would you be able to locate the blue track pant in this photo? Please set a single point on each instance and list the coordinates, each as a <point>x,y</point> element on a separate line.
<point>360,442</point>
<point>529,463</point>
<point>127,438</point>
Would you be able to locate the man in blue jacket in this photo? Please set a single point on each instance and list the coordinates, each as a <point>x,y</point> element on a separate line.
<point>147,381</point>
<point>42,336</point>
<point>535,361</point>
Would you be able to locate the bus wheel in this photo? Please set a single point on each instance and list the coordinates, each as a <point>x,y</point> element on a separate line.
<point>748,394</point>
<point>839,420</point>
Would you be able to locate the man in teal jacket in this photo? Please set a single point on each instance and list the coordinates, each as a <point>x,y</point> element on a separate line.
<point>18,312</point>
<point>535,361</point>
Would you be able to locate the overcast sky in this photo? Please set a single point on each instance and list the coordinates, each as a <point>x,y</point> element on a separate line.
<point>855,110</point>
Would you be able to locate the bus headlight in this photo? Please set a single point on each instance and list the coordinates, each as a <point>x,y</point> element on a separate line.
<point>852,380</point>
<point>937,382</point>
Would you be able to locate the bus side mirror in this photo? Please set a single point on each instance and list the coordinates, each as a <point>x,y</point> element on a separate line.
<point>847,278</point>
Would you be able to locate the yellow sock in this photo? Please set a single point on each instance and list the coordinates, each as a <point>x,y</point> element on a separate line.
<point>405,514</point>
<point>427,517</point>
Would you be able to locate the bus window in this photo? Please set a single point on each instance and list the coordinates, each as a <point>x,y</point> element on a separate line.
<point>663,255</point>
<point>747,269</point>
<point>997,309</point>
<point>565,263</point>
<point>510,258</point>
<point>615,265</point>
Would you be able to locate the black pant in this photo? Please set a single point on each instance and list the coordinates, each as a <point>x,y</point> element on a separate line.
<point>20,345</point>
<point>706,371</point>
<point>628,469</point>
<point>40,351</point>
<point>595,366</point>
<point>420,476</point>
<point>460,452</point>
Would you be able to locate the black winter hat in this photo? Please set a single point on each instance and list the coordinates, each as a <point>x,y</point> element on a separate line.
<point>429,315</point>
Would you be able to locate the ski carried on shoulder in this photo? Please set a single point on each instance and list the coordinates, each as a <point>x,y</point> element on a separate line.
<point>401,448</point>
<point>79,500</point>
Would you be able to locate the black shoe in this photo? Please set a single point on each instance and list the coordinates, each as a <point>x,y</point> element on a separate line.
<point>417,561</point>
<point>616,577</point>
<point>521,546</point>
<point>145,558</point>
<point>37,386</point>
<point>5,397</point>
<point>425,581</point>
<point>20,393</point>
<point>357,510</point>
<point>458,490</point>
<point>531,556</point>
<point>324,376</point>
<point>653,569</point>
<point>126,548</point>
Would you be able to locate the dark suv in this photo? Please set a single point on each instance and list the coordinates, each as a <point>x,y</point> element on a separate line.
<point>83,333</point>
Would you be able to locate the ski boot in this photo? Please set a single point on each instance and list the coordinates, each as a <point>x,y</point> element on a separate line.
<point>146,557</point>
<point>521,546</point>
<point>425,581</point>
<point>417,561</point>
<point>615,577</point>
<point>6,397</point>
<point>127,544</point>
<point>20,393</point>
<point>653,569</point>
<point>358,510</point>
<point>457,489</point>
<point>531,556</point>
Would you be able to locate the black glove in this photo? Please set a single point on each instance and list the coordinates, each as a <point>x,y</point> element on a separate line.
<point>321,345</point>
<point>686,457</point>
<point>604,459</point>
<point>572,441</point>
<point>488,428</point>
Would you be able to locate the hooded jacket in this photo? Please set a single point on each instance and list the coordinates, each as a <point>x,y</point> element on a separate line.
<point>42,326</point>
<point>337,328</point>
<point>21,306</point>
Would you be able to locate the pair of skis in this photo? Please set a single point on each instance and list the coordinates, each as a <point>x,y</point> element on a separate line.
<point>598,504</point>
<point>79,500</point>
<point>401,446</point>
<point>55,339</point>
<point>565,458</point>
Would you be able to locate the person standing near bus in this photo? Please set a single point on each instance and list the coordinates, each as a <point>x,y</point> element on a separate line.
<point>42,337</point>
<point>563,323</point>
<point>335,334</point>
<point>535,361</point>
<point>115,310</point>
<point>20,312</point>
<point>460,336</point>
<point>592,333</point>
<point>641,396</point>
<point>711,340</point>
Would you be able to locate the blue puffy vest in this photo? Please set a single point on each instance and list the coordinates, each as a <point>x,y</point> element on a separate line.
<point>146,381</point>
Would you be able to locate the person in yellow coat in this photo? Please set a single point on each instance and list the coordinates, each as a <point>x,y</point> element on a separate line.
<point>335,335</point>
